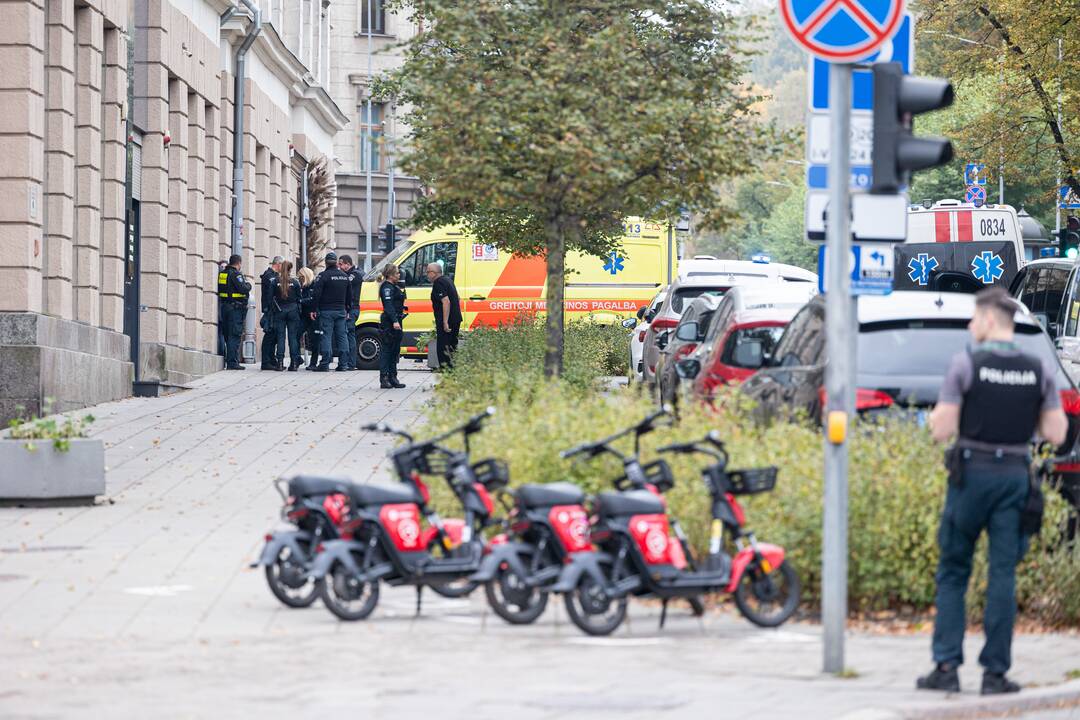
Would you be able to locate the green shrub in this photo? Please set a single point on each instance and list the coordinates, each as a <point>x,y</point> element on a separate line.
<point>896,479</point>
<point>58,429</point>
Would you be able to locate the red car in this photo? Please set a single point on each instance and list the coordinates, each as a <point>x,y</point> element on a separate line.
<point>742,336</point>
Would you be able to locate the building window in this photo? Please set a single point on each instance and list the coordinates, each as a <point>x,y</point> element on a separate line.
<point>377,12</point>
<point>372,157</point>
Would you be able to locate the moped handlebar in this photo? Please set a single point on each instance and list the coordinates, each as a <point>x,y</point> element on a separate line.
<point>604,445</point>
<point>385,428</point>
<point>710,445</point>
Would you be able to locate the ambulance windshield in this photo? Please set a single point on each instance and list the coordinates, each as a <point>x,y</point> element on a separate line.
<point>400,249</point>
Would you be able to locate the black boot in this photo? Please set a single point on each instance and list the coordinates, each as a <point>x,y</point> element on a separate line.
<point>384,381</point>
<point>944,677</point>
<point>294,366</point>
<point>395,383</point>
<point>998,684</point>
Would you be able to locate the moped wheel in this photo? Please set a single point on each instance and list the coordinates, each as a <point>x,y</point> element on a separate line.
<point>513,600</point>
<point>767,600</point>
<point>346,596</point>
<point>697,605</point>
<point>592,610</point>
<point>288,579</point>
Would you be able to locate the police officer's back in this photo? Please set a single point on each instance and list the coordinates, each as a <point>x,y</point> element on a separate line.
<point>233,291</point>
<point>994,399</point>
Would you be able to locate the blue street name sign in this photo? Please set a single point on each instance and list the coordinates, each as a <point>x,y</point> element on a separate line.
<point>817,177</point>
<point>871,269</point>
<point>901,49</point>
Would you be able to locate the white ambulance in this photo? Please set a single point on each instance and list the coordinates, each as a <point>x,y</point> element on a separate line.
<point>959,247</point>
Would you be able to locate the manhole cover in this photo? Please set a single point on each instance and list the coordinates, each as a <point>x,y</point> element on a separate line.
<point>41,548</point>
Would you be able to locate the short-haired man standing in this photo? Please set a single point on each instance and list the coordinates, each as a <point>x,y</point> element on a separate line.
<point>353,309</point>
<point>269,341</point>
<point>233,290</point>
<point>993,400</point>
<point>331,291</point>
<point>447,309</point>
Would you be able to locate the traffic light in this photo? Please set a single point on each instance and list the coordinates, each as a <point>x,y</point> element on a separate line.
<point>897,152</point>
<point>1069,243</point>
<point>387,237</point>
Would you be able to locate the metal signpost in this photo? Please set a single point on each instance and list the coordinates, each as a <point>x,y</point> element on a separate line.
<point>838,32</point>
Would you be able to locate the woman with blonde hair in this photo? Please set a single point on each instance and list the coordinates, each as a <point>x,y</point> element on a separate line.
<point>307,309</point>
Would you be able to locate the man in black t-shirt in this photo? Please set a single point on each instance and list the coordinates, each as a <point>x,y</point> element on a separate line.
<point>994,400</point>
<point>447,309</point>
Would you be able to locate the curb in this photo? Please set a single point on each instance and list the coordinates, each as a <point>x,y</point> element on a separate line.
<point>1056,697</point>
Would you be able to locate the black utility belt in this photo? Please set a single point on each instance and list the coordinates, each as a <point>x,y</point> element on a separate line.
<point>983,450</point>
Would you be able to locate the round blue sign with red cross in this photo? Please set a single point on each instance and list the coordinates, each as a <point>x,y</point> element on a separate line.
<point>842,31</point>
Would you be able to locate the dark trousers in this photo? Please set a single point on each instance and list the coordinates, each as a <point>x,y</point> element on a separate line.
<point>232,316</point>
<point>287,323</point>
<point>269,341</point>
<point>446,344</point>
<point>334,341</point>
<point>993,494</point>
<point>390,352</point>
<point>350,334</point>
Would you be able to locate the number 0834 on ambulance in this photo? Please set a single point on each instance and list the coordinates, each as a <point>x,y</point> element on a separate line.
<point>495,287</point>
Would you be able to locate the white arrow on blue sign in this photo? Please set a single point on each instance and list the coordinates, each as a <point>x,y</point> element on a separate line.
<point>871,269</point>
<point>974,175</point>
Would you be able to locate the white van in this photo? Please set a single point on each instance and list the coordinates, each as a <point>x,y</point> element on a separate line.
<point>959,247</point>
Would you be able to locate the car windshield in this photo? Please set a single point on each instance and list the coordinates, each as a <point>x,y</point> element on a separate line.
<point>399,250</point>
<point>684,295</point>
<point>924,348</point>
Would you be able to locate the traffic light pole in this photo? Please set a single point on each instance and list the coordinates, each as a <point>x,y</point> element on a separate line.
<point>839,372</point>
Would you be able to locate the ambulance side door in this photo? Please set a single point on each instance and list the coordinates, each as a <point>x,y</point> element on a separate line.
<point>413,268</point>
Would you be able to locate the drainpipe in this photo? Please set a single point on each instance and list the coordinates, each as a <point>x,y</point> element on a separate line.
<point>305,214</point>
<point>248,342</point>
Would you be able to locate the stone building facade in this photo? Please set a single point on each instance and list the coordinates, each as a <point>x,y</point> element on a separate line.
<point>117,123</point>
<point>348,84</point>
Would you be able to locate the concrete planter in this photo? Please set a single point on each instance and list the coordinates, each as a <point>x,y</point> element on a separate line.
<point>47,474</point>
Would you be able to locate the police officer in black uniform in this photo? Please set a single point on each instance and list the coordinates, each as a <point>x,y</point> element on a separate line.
<point>352,312</point>
<point>269,341</point>
<point>393,315</point>
<point>233,291</point>
<point>332,293</point>
<point>993,400</point>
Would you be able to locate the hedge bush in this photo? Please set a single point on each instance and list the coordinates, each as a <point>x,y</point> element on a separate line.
<point>896,480</point>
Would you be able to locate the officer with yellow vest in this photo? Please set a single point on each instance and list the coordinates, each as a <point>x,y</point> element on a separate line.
<point>233,290</point>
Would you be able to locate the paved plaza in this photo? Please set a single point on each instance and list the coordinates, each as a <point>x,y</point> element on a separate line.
<point>144,604</point>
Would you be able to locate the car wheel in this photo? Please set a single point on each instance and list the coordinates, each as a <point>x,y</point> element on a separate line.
<point>368,348</point>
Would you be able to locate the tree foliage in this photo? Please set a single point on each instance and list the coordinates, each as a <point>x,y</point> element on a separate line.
<point>541,124</point>
<point>1009,49</point>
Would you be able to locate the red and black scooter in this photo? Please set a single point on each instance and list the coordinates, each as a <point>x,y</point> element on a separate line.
<point>635,558</point>
<point>549,524</point>
<point>315,507</point>
<point>387,543</point>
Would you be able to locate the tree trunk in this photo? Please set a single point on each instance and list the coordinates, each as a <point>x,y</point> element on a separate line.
<point>556,286</point>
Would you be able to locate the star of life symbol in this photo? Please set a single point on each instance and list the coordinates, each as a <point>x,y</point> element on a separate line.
<point>987,267</point>
<point>920,268</point>
<point>614,263</point>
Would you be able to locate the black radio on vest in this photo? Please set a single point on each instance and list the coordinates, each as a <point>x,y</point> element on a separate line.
<point>1002,405</point>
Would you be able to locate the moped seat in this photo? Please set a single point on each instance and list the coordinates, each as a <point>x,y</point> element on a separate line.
<point>632,502</point>
<point>309,485</point>
<point>366,495</point>
<point>551,494</point>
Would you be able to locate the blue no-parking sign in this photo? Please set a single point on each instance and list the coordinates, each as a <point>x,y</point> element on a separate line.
<point>975,194</point>
<point>842,31</point>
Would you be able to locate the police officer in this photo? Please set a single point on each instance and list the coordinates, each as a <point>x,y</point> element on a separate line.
<point>269,341</point>
<point>332,292</point>
<point>993,400</point>
<point>353,310</point>
<point>233,292</point>
<point>393,314</point>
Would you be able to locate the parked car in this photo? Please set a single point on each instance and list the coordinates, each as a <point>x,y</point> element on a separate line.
<point>904,346</point>
<point>691,330</point>
<point>1040,286</point>
<point>637,337</point>
<point>742,336</point>
<point>714,277</point>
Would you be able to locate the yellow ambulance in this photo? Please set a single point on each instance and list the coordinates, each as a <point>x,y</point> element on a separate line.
<point>495,286</point>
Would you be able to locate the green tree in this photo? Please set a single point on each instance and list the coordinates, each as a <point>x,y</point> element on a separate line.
<point>541,124</point>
